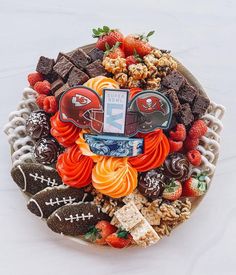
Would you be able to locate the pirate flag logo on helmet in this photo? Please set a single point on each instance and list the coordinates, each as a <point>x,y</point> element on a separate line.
<point>155,108</point>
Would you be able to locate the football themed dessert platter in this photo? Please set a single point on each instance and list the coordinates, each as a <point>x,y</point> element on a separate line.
<point>114,143</point>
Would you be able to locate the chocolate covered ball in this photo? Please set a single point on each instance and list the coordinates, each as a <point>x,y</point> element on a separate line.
<point>46,150</point>
<point>177,166</point>
<point>151,184</point>
<point>38,125</point>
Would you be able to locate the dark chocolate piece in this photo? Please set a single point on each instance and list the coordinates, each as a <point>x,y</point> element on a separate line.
<point>34,177</point>
<point>45,65</point>
<point>75,219</point>
<point>177,166</point>
<point>60,91</point>
<point>63,67</point>
<point>77,77</point>
<point>52,76</point>
<point>57,84</point>
<point>37,125</point>
<point>95,54</point>
<point>44,203</point>
<point>172,96</point>
<point>200,105</point>
<point>185,115</point>
<point>95,69</point>
<point>187,93</point>
<point>173,80</point>
<point>151,184</point>
<point>46,150</point>
<point>79,58</point>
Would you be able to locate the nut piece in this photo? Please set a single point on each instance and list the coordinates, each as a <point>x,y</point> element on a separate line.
<point>115,66</point>
<point>138,71</point>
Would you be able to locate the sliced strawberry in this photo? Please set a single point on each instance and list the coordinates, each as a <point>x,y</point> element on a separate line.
<point>179,134</point>
<point>120,239</point>
<point>195,186</point>
<point>175,146</point>
<point>100,231</point>
<point>172,191</point>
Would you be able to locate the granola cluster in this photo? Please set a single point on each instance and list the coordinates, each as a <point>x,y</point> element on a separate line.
<point>146,74</point>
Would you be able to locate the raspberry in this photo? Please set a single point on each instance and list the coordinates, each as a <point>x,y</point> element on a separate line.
<point>175,146</point>
<point>34,77</point>
<point>50,104</point>
<point>198,129</point>
<point>39,101</point>
<point>42,87</point>
<point>179,134</point>
<point>191,143</point>
<point>194,157</point>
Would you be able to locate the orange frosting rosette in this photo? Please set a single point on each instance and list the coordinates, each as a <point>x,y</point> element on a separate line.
<point>74,168</point>
<point>114,177</point>
<point>98,83</point>
<point>156,149</point>
<point>65,133</point>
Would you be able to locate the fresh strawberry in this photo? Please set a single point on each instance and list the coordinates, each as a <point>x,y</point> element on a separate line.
<point>195,186</point>
<point>172,191</point>
<point>191,143</point>
<point>194,157</point>
<point>198,129</point>
<point>107,35</point>
<point>133,59</point>
<point>179,134</point>
<point>34,77</point>
<point>134,91</point>
<point>175,146</point>
<point>100,231</point>
<point>138,44</point>
<point>115,51</point>
<point>42,87</point>
<point>120,239</point>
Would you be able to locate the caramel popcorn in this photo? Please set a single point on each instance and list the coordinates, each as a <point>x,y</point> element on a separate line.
<point>133,83</point>
<point>153,83</point>
<point>150,60</point>
<point>114,66</point>
<point>138,71</point>
<point>122,79</point>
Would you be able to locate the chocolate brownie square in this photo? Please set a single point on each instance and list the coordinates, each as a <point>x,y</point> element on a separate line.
<point>77,77</point>
<point>187,93</point>
<point>57,84</point>
<point>185,115</point>
<point>172,96</point>
<point>79,58</point>
<point>63,67</point>
<point>45,65</point>
<point>95,69</point>
<point>60,91</point>
<point>173,80</point>
<point>200,105</point>
<point>52,76</point>
<point>95,54</point>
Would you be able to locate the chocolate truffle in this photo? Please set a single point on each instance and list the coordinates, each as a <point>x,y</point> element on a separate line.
<point>46,150</point>
<point>151,184</point>
<point>38,125</point>
<point>177,166</point>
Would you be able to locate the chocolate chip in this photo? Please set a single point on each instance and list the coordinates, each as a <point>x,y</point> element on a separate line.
<point>172,96</point>
<point>57,84</point>
<point>95,54</point>
<point>174,80</point>
<point>185,115</point>
<point>187,93</point>
<point>95,69</point>
<point>45,65</point>
<point>200,105</point>
<point>63,67</point>
<point>77,77</point>
<point>79,58</point>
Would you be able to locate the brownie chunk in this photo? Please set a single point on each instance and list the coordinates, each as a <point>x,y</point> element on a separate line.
<point>185,115</point>
<point>63,67</point>
<point>79,58</point>
<point>95,54</point>
<point>200,105</point>
<point>172,96</point>
<point>60,91</point>
<point>57,84</point>
<point>45,65</point>
<point>95,69</point>
<point>77,77</point>
<point>187,93</point>
<point>174,80</point>
<point>52,76</point>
